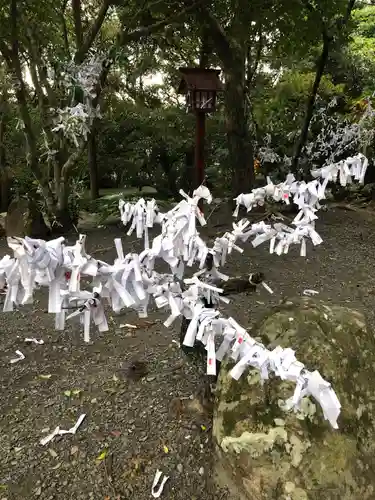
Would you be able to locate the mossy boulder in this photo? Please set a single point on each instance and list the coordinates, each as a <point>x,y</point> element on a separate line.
<point>25,219</point>
<point>269,453</point>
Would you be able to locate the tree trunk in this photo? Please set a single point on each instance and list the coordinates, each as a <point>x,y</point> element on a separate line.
<point>4,174</point>
<point>233,58</point>
<point>187,177</point>
<point>64,222</point>
<point>170,173</point>
<point>93,165</point>
<point>311,101</point>
<point>239,140</point>
<point>321,64</point>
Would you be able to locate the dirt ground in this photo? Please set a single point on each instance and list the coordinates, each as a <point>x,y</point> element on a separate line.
<point>134,427</point>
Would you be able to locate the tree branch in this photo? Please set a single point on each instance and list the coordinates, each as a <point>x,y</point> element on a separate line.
<point>6,53</point>
<point>219,37</point>
<point>20,89</point>
<point>36,83</point>
<point>64,27</point>
<point>76,7</point>
<point>72,160</point>
<point>348,12</point>
<point>327,41</point>
<point>21,95</point>
<point>39,73</point>
<point>133,36</point>
<point>252,71</point>
<point>93,32</point>
<point>139,33</point>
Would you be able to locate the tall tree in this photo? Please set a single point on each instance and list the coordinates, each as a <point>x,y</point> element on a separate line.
<point>332,27</point>
<point>233,52</point>
<point>43,39</point>
<point>4,171</point>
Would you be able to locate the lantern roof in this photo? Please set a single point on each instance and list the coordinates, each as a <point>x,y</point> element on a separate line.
<point>199,79</point>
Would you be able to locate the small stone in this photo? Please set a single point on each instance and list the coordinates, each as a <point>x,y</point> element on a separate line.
<point>150,379</point>
<point>180,468</point>
<point>279,422</point>
<point>201,471</point>
<point>289,487</point>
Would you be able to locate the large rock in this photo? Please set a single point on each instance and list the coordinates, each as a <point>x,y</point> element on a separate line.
<point>2,223</point>
<point>266,453</point>
<point>24,219</point>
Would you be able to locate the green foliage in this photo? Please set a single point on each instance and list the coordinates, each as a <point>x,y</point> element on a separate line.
<point>145,136</point>
<point>139,146</point>
<point>281,110</point>
<point>362,46</point>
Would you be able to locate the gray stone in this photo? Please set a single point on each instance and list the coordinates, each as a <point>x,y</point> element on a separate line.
<point>264,452</point>
<point>24,219</point>
<point>2,223</point>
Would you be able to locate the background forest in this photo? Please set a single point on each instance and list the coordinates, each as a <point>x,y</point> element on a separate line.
<point>299,84</point>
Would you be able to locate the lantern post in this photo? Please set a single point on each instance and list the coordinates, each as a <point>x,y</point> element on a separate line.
<point>200,87</point>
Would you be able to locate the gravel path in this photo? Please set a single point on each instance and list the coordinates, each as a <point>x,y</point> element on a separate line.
<point>160,421</point>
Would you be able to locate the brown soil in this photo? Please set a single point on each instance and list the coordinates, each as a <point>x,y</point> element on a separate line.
<point>157,420</point>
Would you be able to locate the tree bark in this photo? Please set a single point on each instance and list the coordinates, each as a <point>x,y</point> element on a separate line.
<point>12,58</point>
<point>311,102</point>
<point>233,58</point>
<point>93,165</point>
<point>76,7</point>
<point>170,173</point>
<point>321,64</point>
<point>239,141</point>
<point>4,174</point>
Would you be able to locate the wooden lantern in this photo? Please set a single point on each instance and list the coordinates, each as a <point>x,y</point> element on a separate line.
<point>200,87</point>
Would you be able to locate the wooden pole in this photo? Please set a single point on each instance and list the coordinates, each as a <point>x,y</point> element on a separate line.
<point>199,147</point>
<point>200,131</point>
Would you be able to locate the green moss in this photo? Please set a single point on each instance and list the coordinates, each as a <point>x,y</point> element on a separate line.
<point>260,414</point>
<point>318,461</point>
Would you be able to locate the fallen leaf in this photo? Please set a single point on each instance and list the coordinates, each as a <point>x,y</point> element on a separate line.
<point>165,449</point>
<point>99,435</point>
<point>116,433</point>
<point>74,450</point>
<point>77,391</point>
<point>203,427</point>
<point>45,377</point>
<point>67,393</point>
<point>110,390</point>
<point>3,487</point>
<point>127,325</point>
<point>115,378</point>
<point>102,455</point>
<point>52,453</point>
